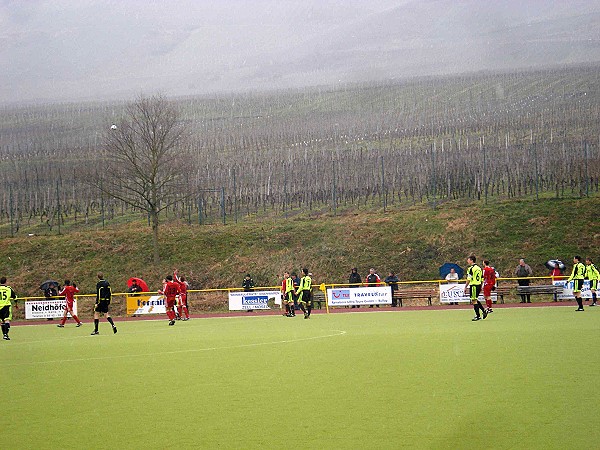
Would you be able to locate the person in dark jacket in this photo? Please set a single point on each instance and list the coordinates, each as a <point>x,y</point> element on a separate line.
<point>248,286</point>
<point>354,280</point>
<point>392,280</point>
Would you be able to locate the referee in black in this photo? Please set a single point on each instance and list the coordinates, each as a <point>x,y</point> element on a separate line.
<point>103,296</point>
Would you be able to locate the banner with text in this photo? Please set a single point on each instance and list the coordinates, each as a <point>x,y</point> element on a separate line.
<point>455,292</point>
<point>567,293</point>
<point>47,309</point>
<point>379,295</point>
<point>145,304</point>
<point>240,301</point>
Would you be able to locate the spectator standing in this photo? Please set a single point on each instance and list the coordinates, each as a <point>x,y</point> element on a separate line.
<point>489,284</point>
<point>135,287</point>
<point>248,283</point>
<point>522,271</point>
<point>354,280</point>
<point>592,274</point>
<point>392,281</point>
<point>452,277</point>
<point>473,286</point>
<point>248,286</point>
<point>69,292</point>
<point>372,280</point>
<point>577,276</point>
<point>103,297</point>
<point>7,296</point>
<point>50,292</point>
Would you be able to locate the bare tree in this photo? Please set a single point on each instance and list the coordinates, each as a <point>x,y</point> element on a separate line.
<point>143,157</point>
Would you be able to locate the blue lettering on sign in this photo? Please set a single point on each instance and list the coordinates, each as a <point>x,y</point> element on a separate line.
<point>141,303</point>
<point>340,294</point>
<point>255,300</point>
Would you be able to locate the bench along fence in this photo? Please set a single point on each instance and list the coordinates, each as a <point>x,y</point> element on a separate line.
<point>269,298</point>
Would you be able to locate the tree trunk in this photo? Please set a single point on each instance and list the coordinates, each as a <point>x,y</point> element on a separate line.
<point>154,221</point>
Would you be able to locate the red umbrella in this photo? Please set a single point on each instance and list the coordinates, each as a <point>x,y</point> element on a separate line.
<point>141,283</point>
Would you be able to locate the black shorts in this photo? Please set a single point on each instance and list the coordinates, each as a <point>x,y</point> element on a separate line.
<point>475,290</point>
<point>5,312</point>
<point>305,297</point>
<point>102,306</point>
<point>577,285</point>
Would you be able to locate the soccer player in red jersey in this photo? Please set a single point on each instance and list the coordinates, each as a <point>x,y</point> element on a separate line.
<point>170,291</point>
<point>489,284</point>
<point>69,292</point>
<point>182,303</point>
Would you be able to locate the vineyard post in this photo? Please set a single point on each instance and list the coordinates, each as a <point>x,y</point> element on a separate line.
<point>10,210</point>
<point>587,172</point>
<point>485,179</point>
<point>58,207</point>
<point>383,185</point>
<point>433,174</point>
<point>199,210</point>
<point>235,204</point>
<point>537,177</point>
<point>223,203</point>
<point>333,188</point>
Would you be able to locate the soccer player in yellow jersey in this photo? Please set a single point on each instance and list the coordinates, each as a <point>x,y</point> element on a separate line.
<point>304,293</point>
<point>473,287</point>
<point>287,292</point>
<point>7,296</point>
<point>577,276</point>
<point>592,274</point>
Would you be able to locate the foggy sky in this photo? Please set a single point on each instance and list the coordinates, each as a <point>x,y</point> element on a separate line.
<point>63,50</point>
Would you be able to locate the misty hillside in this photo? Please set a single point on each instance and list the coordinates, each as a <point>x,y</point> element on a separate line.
<point>61,50</point>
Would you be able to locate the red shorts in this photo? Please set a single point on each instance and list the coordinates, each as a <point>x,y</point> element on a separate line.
<point>183,299</point>
<point>69,304</point>
<point>487,290</point>
<point>170,302</point>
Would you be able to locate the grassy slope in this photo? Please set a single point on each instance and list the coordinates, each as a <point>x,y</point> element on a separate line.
<point>414,379</point>
<point>413,241</point>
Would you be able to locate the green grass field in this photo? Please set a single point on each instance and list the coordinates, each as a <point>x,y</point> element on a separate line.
<point>524,378</point>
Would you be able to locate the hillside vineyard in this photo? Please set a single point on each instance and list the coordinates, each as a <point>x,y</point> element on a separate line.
<point>484,136</point>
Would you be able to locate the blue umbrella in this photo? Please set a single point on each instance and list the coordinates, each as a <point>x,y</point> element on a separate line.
<point>445,270</point>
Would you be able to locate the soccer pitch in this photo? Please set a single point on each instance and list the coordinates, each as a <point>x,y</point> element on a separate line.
<point>523,378</point>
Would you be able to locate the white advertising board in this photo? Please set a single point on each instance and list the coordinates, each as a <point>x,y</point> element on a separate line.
<point>47,309</point>
<point>242,300</point>
<point>455,292</point>
<point>379,295</point>
<point>567,293</point>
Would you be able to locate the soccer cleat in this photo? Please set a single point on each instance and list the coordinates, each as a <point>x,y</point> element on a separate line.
<point>594,304</point>
<point>579,309</point>
<point>171,323</point>
<point>60,325</point>
<point>79,324</point>
<point>114,329</point>
<point>185,318</point>
<point>94,332</point>
<point>475,319</point>
<point>5,337</point>
<point>485,314</point>
<point>490,310</point>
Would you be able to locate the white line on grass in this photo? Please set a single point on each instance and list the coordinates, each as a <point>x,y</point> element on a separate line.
<point>174,352</point>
